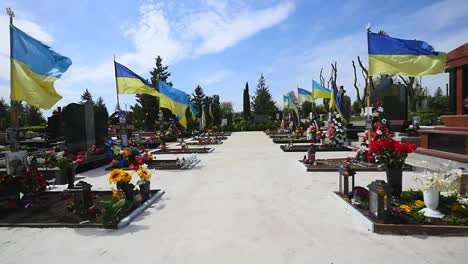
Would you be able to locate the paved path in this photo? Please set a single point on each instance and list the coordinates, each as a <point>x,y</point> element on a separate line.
<point>248,202</point>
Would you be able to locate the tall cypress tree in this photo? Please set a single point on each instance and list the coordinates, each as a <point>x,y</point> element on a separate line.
<point>246,109</point>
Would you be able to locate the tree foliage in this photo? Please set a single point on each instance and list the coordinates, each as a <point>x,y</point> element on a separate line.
<point>246,106</point>
<point>150,104</point>
<point>262,101</point>
<point>198,97</point>
<point>86,96</point>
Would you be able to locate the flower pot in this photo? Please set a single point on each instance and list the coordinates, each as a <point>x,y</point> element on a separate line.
<point>431,199</point>
<point>128,195</point>
<point>394,180</point>
<point>70,176</point>
<point>145,190</point>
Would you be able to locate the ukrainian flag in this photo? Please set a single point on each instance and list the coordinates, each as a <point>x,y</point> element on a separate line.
<point>129,82</point>
<point>304,95</point>
<point>34,69</point>
<point>389,55</point>
<point>288,102</point>
<point>318,91</point>
<point>335,103</point>
<point>174,100</point>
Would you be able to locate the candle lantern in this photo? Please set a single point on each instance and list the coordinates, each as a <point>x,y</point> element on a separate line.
<point>378,191</point>
<point>463,182</point>
<point>345,172</point>
<point>81,194</point>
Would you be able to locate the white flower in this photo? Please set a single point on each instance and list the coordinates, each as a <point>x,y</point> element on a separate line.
<point>384,121</point>
<point>380,109</point>
<point>379,132</point>
<point>440,181</point>
<point>462,200</point>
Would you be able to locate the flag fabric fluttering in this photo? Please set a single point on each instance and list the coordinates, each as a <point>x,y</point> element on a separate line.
<point>389,55</point>
<point>288,102</point>
<point>335,103</point>
<point>210,111</point>
<point>129,82</point>
<point>174,100</point>
<point>318,91</point>
<point>304,95</point>
<point>34,69</point>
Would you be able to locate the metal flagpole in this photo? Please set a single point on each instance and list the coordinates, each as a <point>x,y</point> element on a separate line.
<point>13,112</point>
<point>116,85</point>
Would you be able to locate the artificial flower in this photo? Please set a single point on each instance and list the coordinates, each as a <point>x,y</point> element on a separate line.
<point>419,204</point>
<point>457,208</point>
<point>144,174</point>
<point>115,175</point>
<point>126,152</point>
<point>115,194</point>
<point>126,176</point>
<point>405,208</point>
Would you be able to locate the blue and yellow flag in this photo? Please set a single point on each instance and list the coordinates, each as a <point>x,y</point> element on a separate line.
<point>129,82</point>
<point>288,102</point>
<point>389,55</point>
<point>304,95</point>
<point>335,103</point>
<point>34,69</point>
<point>318,91</point>
<point>174,100</point>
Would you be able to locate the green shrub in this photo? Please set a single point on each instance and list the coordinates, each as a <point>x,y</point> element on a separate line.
<point>37,129</point>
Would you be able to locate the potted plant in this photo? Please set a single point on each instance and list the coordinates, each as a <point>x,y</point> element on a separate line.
<point>391,155</point>
<point>122,179</point>
<point>66,162</point>
<point>432,183</point>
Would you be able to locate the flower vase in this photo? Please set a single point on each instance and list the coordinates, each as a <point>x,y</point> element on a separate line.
<point>394,180</point>
<point>128,195</point>
<point>145,190</point>
<point>431,200</point>
<point>70,176</point>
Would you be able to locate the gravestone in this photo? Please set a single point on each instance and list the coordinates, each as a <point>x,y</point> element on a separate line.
<point>393,98</point>
<point>54,129</point>
<point>78,126</point>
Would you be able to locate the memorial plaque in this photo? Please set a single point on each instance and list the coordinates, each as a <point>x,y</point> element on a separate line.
<point>15,162</point>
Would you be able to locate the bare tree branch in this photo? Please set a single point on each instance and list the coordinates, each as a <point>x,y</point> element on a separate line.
<point>355,84</point>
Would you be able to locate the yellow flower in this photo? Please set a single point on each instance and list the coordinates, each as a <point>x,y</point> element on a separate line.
<point>126,176</point>
<point>419,204</point>
<point>457,208</point>
<point>144,174</point>
<point>115,175</point>
<point>115,194</point>
<point>126,152</point>
<point>149,155</point>
<point>405,208</point>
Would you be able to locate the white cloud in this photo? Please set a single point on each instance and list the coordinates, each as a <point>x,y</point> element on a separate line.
<point>176,31</point>
<point>214,78</point>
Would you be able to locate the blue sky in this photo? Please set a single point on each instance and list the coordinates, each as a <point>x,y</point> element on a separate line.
<point>222,44</point>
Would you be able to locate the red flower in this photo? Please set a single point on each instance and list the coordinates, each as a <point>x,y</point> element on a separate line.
<point>369,158</point>
<point>139,160</point>
<point>131,166</point>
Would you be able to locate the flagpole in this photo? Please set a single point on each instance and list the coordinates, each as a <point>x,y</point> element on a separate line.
<point>116,85</point>
<point>13,112</point>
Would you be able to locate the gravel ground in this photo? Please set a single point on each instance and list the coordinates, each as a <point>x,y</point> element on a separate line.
<point>248,202</point>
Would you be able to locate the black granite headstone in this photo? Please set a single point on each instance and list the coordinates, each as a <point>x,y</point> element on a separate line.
<point>393,98</point>
<point>78,126</point>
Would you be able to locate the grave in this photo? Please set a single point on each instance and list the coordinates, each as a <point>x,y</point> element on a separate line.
<point>78,126</point>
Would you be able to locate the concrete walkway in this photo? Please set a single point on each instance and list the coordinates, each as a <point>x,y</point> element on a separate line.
<point>248,202</point>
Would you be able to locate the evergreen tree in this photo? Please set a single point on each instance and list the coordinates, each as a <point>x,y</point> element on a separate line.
<point>438,92</point>
<point>216,108</point>
<point>306,108</point>
<point>197,99</point>
<point>246,109</point>
<point>4,114</point>
<point>207,102</point>
<point>101,115</point>
<point>33,116</point>
<point>227,111</point>
<point>150,104</point>
<point>262,101</point>
<point>87,96</point>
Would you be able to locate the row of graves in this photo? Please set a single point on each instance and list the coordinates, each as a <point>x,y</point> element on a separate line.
<point>44,186</point>
<point>439,206</point>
